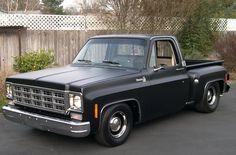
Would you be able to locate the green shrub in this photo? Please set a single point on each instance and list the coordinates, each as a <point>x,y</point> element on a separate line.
<point>32,61</point>
<point>3,76</point>
<point>197,36</point>
<point>2,103</point>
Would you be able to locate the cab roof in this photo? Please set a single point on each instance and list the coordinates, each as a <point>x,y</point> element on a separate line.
<point>139,36</point>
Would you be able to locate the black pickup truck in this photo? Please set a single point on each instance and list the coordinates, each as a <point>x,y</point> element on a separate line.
<point>115,82</point>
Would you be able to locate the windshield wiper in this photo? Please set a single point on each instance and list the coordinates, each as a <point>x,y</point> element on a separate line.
<point>111,62</point>
<point>85,61</point>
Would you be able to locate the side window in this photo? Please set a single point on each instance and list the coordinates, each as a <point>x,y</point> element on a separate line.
<point>163,54</point>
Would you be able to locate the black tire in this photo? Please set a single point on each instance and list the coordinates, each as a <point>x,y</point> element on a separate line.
<point>115,126</point>
<point>210,100</point>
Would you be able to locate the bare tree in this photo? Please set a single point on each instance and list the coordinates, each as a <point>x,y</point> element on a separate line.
<point>19,5</point>
<point>151,15</point>
<point>119,11</point>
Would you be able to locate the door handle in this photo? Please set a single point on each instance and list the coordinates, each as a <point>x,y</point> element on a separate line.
<point>143,79</point>
<point>180,69</point>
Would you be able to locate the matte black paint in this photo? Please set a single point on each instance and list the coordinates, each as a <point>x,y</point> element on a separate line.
<point>164,92</point>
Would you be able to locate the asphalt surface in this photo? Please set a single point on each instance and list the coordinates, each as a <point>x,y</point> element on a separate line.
<point>184,133</point>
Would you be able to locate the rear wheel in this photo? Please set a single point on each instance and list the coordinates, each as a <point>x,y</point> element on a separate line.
<point>115,126</point>
<point>210,99</point>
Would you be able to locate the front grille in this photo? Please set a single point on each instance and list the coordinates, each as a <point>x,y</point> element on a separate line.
<point>40,98</point>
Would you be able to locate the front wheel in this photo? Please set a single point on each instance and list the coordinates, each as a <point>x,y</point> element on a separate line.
<point>116,125</point>
<point>210,99</point>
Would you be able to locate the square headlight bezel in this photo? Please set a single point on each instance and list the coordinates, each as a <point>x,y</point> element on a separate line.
<point>9,91</point>
<point>72,106</point>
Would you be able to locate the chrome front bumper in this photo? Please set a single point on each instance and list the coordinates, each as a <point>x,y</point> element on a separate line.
<point>60,126</point>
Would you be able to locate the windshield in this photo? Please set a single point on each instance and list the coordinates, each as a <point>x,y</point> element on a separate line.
<point>128,53</point>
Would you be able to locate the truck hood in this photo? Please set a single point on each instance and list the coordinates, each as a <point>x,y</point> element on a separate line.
<point>69,75</point>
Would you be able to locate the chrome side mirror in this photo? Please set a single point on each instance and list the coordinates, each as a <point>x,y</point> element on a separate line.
<point>159,68</point>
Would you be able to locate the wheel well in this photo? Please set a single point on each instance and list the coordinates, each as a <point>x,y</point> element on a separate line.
<point>134,106</point>
<point>221,84</point>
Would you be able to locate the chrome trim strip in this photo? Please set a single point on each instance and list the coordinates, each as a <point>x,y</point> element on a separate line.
<point>38,87</point>
<point>121,101</point>
<point>180,69</point>
<point>209,82</point>
<point>189,102</point>
<point>82,131</point>
<point>63,91</point>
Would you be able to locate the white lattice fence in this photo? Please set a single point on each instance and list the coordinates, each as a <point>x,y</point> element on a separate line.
<point>79,22</point>
<point>157,24</point>
<point>51,22</point>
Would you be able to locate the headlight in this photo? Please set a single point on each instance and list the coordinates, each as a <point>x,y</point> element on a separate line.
<point>75,102</point>
<point>9,91</point>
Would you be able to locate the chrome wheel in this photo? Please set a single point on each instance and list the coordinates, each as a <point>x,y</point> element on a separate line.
<point>210,100</point>
<point>211,96</point>
<point>118,124</point>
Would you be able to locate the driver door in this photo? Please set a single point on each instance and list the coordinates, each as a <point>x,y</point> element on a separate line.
<point>169,86</point>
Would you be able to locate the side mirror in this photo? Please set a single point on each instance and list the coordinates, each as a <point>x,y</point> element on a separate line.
<point>159,68</point>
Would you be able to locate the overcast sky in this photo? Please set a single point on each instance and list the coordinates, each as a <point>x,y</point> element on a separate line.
<point>74,3</point>
<point>69,3</point>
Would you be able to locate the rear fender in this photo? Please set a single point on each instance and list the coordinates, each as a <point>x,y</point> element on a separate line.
<point>202,90</point>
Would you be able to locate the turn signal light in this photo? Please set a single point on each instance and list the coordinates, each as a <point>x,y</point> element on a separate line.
<point>96,111</point>
<point>76,116</point>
